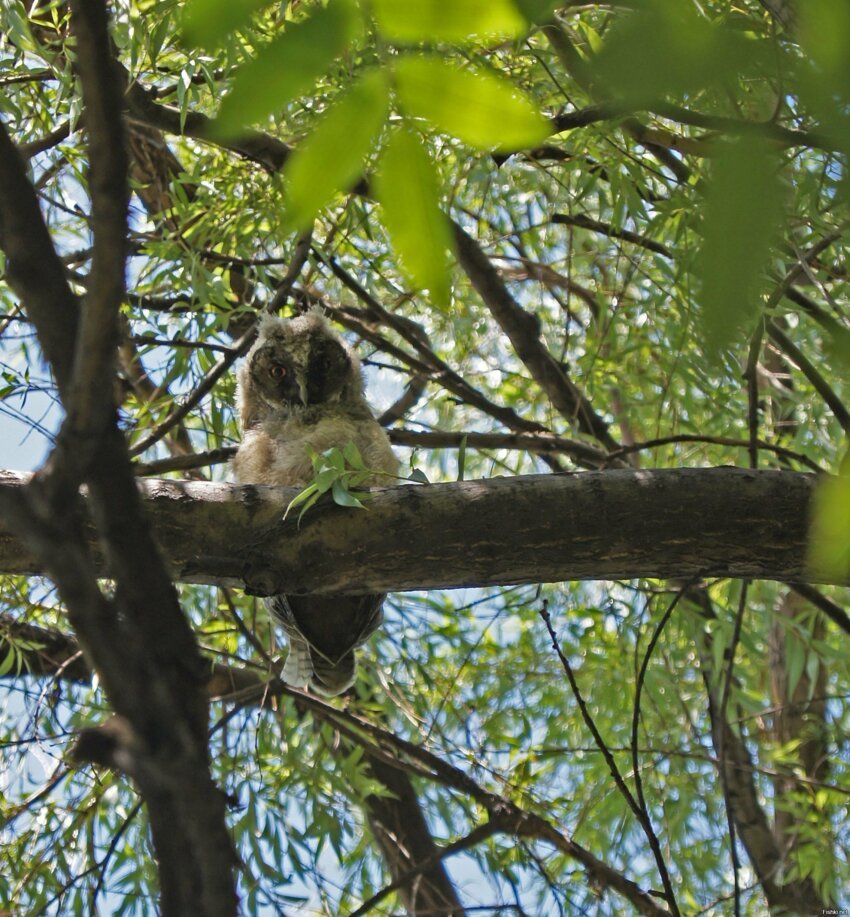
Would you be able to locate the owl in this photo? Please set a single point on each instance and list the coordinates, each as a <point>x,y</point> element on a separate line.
<point>300,390</point>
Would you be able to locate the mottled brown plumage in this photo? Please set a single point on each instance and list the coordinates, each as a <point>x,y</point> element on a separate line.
<point>301,391</point>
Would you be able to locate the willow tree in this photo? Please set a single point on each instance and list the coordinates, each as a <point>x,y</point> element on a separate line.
<point>591,255</point>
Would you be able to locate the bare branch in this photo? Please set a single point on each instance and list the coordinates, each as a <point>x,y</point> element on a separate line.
<point>524,333</point>
<point>639,810</point>
<point>262,148</point>
<point>811,372</point>
<point>585,222</point>
<point>57,135</point>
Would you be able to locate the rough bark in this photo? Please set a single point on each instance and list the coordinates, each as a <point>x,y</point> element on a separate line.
<point>401,832</point>
<point>737,777</point>
<point>751,822</point>
<point>720,522</point>
<point>136,637</point>
<point>799,717</point>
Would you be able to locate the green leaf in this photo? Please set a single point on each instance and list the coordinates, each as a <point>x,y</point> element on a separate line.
<point>829,538</point>
<point>288,66</point>
<point>457,21</point>
<point>352,455</point>
<point>206,23</point>
<point>307,505</point>
<point>356,479</point>
<point>823,70</point>
<point>8,662</point>
<point>16,29</point>
<point>482,109</point>
<point>332,157</point>
<point>326,478</point>
<point>838,343</point>
<point>743,210</point>
<point>343,496</point>
<point>308,496</point>
<point>406,187</point>
<point>334,459</point>
<point>824,32</point>
<point>795,661</point>
<point>538,10</point>
<point>667,47</point>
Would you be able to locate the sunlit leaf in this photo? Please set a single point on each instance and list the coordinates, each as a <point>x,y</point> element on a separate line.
<point>823,70</point>
<point>8,662</point>
<point>332,157</point>
<point>824,31</point>
<point>288,66</point>
<point>407,188</point>
<point>308,496</point>
<point>538,10</point>
<point>326,477</point>
<point>667,47</point>
<point>743,209</point>
<point>334,459</point>
<point>829,541</point>
<point>447,20</point>
<point>206,23</point>
<point>838,343</point>
<point>482,109</point>
<point>308,504</point>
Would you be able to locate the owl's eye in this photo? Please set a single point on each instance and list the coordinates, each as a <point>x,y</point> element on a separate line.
<point>277,371</point>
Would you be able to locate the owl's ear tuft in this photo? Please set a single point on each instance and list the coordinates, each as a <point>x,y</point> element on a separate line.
<point>268,325</point>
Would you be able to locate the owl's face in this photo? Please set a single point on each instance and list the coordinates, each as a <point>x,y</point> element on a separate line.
<point>300,362</point>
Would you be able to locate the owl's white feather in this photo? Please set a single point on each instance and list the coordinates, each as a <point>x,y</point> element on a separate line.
<point>298,668</point>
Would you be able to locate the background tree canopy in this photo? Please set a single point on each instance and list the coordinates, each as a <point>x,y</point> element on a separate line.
<point>564,237</point>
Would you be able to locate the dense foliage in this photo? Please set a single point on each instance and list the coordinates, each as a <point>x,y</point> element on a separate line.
<point>628,221</point>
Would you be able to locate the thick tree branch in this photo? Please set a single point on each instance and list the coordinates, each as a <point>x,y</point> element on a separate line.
<point>138,638</point>
<point>736,770</point>
<point>539,528</point>
<point>401,832</point>
<point>94,358</point>
<point>33,268</point>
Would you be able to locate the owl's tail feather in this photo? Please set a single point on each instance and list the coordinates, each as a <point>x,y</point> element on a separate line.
<point>307,666</point>
<point>298,668</point>
<point>304,666</point>
<point>331,678</point>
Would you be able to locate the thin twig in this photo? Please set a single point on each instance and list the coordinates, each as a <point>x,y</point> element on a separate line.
<point>626,793</point>
<point>811,372</point>
<point>641,678</point>
<point>721,751</point>
<point>751,378</point>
